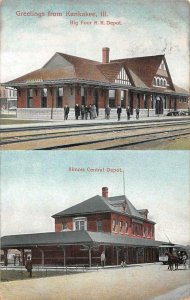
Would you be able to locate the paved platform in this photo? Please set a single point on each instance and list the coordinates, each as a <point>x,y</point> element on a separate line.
<point>132,121</point>
<point>145,282</point>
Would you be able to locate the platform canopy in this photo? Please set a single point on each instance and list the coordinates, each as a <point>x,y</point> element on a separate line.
<point>73,238</point>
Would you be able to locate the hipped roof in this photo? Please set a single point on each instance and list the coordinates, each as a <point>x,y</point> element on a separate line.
<point>99,204</point>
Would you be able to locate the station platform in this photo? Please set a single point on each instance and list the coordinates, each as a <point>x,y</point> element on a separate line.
<point>72,123</point>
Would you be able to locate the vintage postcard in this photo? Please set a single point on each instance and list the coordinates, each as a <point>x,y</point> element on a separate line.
<point>86,76</point>
<point>87,220</point>
<point>80,69</point>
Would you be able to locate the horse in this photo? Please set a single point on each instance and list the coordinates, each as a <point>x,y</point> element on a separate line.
<point>172,260</point>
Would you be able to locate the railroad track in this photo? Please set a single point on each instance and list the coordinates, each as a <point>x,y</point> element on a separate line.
<point>102,136</point>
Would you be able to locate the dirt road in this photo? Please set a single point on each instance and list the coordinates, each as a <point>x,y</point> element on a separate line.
<point>133,282</point>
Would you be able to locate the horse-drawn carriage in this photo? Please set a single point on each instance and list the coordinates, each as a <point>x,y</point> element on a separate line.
<point>172,254</point>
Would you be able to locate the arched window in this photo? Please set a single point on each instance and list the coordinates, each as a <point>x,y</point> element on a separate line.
<point>165,82</point>
<point>157,81</point>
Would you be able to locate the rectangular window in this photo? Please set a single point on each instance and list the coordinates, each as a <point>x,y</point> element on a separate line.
<point>30,98</point>
<point>99,226</point>
<point>44,98</point>
<point>114,225</point>
<point>126,227</point>
<point>80,224</point>
<point>60,97</point>
<point>64,226</point>
<point>122,98</point>
<point>121,226</point>
<point>112,98</point>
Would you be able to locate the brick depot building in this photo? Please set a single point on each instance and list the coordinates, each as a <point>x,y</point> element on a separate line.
<point>143,82</point>
<point>83,231</point>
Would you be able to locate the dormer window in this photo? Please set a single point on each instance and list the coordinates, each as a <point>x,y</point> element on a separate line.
<point>79,224</point>
<point>159,81</point>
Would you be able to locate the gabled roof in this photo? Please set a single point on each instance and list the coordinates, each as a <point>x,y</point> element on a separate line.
<point>99,204</point>
<point>144,67</point>
<point>72,238</point>
<point>140,70</point>
<point>85,68</point>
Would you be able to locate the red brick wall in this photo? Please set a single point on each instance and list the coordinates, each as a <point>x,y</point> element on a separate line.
<point>89,96</point>
<point>59,221</point>
<point>102,98</point>
<point>22,98</point>
<point>49,98</point>
<point>119,218</point>
<point>36,98</point>
<point>106,222</point>
<point>78,97</point>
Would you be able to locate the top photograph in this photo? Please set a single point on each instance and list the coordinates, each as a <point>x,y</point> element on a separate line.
<point>94,76</point>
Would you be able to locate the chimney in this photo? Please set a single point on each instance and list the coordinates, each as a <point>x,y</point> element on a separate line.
<point>105,192</point>
<point>105,55</point>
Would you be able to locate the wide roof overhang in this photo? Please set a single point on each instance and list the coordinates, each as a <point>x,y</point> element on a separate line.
<point>62,239</point>
<point>88,83</point>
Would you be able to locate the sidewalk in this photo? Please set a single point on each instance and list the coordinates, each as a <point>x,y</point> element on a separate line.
<point>141,283</point>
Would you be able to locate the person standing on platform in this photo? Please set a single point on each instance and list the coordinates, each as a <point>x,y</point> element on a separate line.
<point>107,112</point>
<point>86,112</point>
<point>66,112</point>
<point>94,112</point>
<point>103,258</point>
<point>128,111</point>
<point>90,111</point>
<point>137,113</point>
<point>29,266</point>
<point>77,111</point>
<point>119,111</point>
<point>82,110</point>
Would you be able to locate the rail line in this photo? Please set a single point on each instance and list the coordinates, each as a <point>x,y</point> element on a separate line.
<point>12,137</point>
<point>121,141</point>
<point>96,137</point>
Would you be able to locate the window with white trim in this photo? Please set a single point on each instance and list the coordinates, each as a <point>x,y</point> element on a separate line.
<point>126,227</point>
<point>159,81</point>
<point>79,224</point>
<point>64,226</point>
<point>44,97</point>
<point>114,225</point>
<point>121,226</point>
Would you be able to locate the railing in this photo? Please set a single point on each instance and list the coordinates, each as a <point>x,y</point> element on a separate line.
<point>11,272</point>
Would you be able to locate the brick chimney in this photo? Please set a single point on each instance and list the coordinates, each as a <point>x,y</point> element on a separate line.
<point>105,192</point>
<point>105,55</point>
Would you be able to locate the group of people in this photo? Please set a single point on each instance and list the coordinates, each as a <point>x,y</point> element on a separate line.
<point>91,112</point>
<point>85,111</point>
<point>128,111</point>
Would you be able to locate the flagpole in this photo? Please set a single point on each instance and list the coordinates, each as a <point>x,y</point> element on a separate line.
<point>124,182</point>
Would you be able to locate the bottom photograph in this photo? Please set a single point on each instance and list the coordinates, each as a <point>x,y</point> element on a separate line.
<point>117,221</point>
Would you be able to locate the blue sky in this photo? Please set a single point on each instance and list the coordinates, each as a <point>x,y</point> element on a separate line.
<point>36,185</point>
<point>147,28</point>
